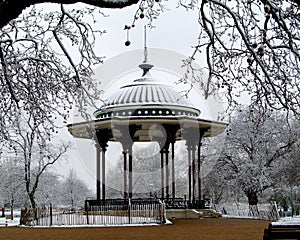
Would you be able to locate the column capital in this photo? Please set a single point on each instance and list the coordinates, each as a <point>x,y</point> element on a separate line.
<point>126,145</point>
<point>127,133</point>
<point>191,137</point>
<point>102,137</point>
<point>164,145</point>
<point>171,131</point>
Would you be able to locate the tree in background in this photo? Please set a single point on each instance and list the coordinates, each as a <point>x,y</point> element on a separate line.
<point>73,191</point>
<point>11,185</point>
<point>49,190</point>
<point>33,150</point>
<point>147,172</point>
<point>60,191</point>
<point>146,169</point>
<point>256,149</point>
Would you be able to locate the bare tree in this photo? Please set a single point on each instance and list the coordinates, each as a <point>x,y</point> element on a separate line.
<point>34,151</point>
<point>74,190</point>
<point>38,77</point>
<point>255,143</point>
<point>12,183</point>
<point>49,189</point>
<point>250,47</point>
<point>290,169</point>
<point>38,73</point>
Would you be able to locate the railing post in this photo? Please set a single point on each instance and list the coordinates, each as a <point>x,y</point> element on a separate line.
<point>36,215</point>
<point>162,212</point>
<point>51,215</point>
<point>87,213</point>
<point>129,210</point>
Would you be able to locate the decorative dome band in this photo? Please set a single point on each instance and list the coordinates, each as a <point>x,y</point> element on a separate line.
<point>147,110</point>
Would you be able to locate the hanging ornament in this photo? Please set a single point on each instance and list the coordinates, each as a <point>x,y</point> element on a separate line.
<point>127,42</point>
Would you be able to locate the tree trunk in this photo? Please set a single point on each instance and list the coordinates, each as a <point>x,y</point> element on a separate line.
<point>253,201</point>
<point>32,200</point>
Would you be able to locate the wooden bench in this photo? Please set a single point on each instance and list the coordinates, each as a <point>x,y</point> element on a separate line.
<point>284,230</point>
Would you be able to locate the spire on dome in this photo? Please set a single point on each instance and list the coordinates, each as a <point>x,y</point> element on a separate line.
<point>145,66</point>
<point>145,45</point>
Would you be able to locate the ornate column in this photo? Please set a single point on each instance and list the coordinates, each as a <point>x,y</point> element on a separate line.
<point>162,173</point>
<point>127,171</point>
<point>191,141</point>
<point>199,182</point>
<point>167,171</point>
<point>171,131</point>
<point>164,162</point>
<point>127,174</point>
<point>102,136</point>
<point>173,171</point>
<point>164,144</point>
<point>194,175</point>
<point>130,171</point>
<point>125,152</point>
<point>199,173</point>
<point>189,175</point>
<point>98,172</point>
<point>127,140</point>
<point>104,147</point>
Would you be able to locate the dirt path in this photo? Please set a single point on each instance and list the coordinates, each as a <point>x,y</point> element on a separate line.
<point>192,229</point>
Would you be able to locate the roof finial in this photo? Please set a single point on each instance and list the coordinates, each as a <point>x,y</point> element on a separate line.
<point>145,45</point>
<point>145,65</point>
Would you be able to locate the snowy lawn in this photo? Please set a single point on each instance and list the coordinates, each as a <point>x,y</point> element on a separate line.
<point>295,219</point>
<point>8,222</point>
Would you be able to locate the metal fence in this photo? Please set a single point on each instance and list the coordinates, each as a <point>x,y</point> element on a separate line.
<point>261,211</point>
<point>131,213</point>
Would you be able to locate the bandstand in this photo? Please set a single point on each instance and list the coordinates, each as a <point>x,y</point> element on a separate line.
<point>144,111</point>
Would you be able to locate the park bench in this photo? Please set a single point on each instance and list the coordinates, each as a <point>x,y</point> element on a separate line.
<point>284,230</point>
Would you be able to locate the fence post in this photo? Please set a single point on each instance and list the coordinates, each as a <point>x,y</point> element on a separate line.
<point>129,210</point>
<point>51,215</point>
<point>162,211</point>
<point>35,214</point>
<point>87,213</point>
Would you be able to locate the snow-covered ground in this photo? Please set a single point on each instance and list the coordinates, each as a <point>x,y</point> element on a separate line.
<point>95,225</point>
<point>16,221</point>
<point>295,219</point>
<point>8,222</point>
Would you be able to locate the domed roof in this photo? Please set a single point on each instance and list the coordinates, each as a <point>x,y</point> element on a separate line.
<point>146,97</point>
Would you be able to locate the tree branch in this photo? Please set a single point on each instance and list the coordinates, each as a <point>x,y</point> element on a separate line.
<point>11,9</point>
<point>6,77</point>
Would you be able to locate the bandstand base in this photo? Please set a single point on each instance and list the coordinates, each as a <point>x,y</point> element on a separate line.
<point>191,213</point>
